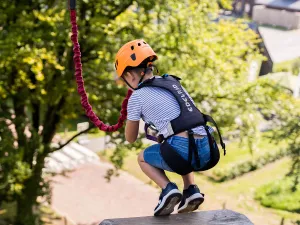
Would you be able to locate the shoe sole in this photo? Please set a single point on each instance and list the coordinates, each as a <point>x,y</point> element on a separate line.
<point>171,201</point>
<point>192,205</point>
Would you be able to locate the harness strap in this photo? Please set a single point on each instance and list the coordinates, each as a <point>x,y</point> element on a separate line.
<point>193,149</point>
<point>210,119</point>
<point>210,140</point>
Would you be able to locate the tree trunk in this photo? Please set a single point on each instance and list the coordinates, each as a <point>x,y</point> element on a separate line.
<point>27,205</point>
<point>25,214</point>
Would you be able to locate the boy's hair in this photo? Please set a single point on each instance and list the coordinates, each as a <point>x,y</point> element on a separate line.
<point>143,67</point>
<point>137,70</point>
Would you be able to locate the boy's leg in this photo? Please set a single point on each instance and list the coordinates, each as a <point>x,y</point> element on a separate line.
<point>192,198</point>
<point>155,174</point>
<point>170,195</point>
<point>188,180</point>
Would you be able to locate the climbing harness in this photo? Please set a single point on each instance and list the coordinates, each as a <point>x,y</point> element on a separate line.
<point>80,83</point>
<point>190,117</point>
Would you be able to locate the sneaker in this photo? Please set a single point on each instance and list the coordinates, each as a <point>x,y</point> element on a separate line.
<point>191,200</point>
<point>168,199</point>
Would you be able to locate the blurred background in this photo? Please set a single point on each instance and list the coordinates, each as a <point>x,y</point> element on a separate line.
<point>239,60</point>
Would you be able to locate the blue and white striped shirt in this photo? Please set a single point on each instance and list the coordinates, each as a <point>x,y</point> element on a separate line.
<point>157,106</point>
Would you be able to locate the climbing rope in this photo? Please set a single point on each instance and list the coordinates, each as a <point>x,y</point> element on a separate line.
<point>80,83</point>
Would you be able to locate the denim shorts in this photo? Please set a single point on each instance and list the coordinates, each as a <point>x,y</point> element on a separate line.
<point>153,156</point>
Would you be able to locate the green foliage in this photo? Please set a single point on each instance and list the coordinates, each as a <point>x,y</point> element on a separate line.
<point>288,66</point>
<point>280,195</point>
<point>13,172</point>
<point>121,151</point>
<point>288,127</point>
<point>284,194</point>
<point>225,4</point>
<point>8,212</point>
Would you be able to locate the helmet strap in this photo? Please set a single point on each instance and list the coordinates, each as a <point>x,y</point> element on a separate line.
<point>128,83</point>
<point>149,67</point>
<point>140,81</point>
<point>142,76</point>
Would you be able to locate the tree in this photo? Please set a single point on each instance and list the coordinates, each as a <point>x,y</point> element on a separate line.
<point>38,91</point>
<point>288,128</point>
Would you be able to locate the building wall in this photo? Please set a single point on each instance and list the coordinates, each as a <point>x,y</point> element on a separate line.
<point>276,17</point>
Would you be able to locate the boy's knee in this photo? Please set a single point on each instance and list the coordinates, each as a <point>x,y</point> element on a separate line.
<point>141,156</point>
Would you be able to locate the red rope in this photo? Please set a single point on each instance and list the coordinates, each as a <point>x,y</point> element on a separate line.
<point>80,84</point>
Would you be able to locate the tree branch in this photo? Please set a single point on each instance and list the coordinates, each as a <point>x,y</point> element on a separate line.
<point>86,59</point>
<point>118,12</point>
<point>19,120</point>
<point>52,118</point>
<point>72,138</point>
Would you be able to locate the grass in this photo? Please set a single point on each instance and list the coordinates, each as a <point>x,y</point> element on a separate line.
<point>280,195</point>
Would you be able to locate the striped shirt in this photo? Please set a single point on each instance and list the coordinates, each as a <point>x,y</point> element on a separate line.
<point>157,106</point>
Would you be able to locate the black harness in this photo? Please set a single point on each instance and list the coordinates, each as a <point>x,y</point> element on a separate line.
<point>189,118</point>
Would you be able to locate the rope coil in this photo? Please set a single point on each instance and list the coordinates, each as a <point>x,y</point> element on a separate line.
<point>80,83</point>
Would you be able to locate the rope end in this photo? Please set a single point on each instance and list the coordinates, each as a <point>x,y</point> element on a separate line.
<point>71,4</point>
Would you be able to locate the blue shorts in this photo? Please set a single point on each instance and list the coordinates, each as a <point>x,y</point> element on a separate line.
<point>153,157</point>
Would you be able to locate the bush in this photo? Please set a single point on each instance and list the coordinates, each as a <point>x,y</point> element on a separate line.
<point>238,169</point>
<point>288,66</point>
<point>280,194</point>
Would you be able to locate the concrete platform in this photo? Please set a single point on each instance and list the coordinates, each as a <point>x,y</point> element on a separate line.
<point>215,217</point>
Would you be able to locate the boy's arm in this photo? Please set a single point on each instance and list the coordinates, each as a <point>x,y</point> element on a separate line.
<point>134,110</point>
<point>131,130</point>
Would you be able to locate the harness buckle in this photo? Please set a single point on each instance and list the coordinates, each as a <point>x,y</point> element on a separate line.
<point>160,138</point>
<point>190,132</point>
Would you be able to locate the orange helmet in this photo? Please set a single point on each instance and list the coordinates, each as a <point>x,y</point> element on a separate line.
<point>133,54</point>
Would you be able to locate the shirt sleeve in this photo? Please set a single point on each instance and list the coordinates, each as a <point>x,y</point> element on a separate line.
<point>134,107</point>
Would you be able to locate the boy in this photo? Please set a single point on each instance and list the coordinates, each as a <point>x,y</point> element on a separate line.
<point>158,106</point>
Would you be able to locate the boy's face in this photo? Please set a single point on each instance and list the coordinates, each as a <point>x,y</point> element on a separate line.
<point>132,78</point>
